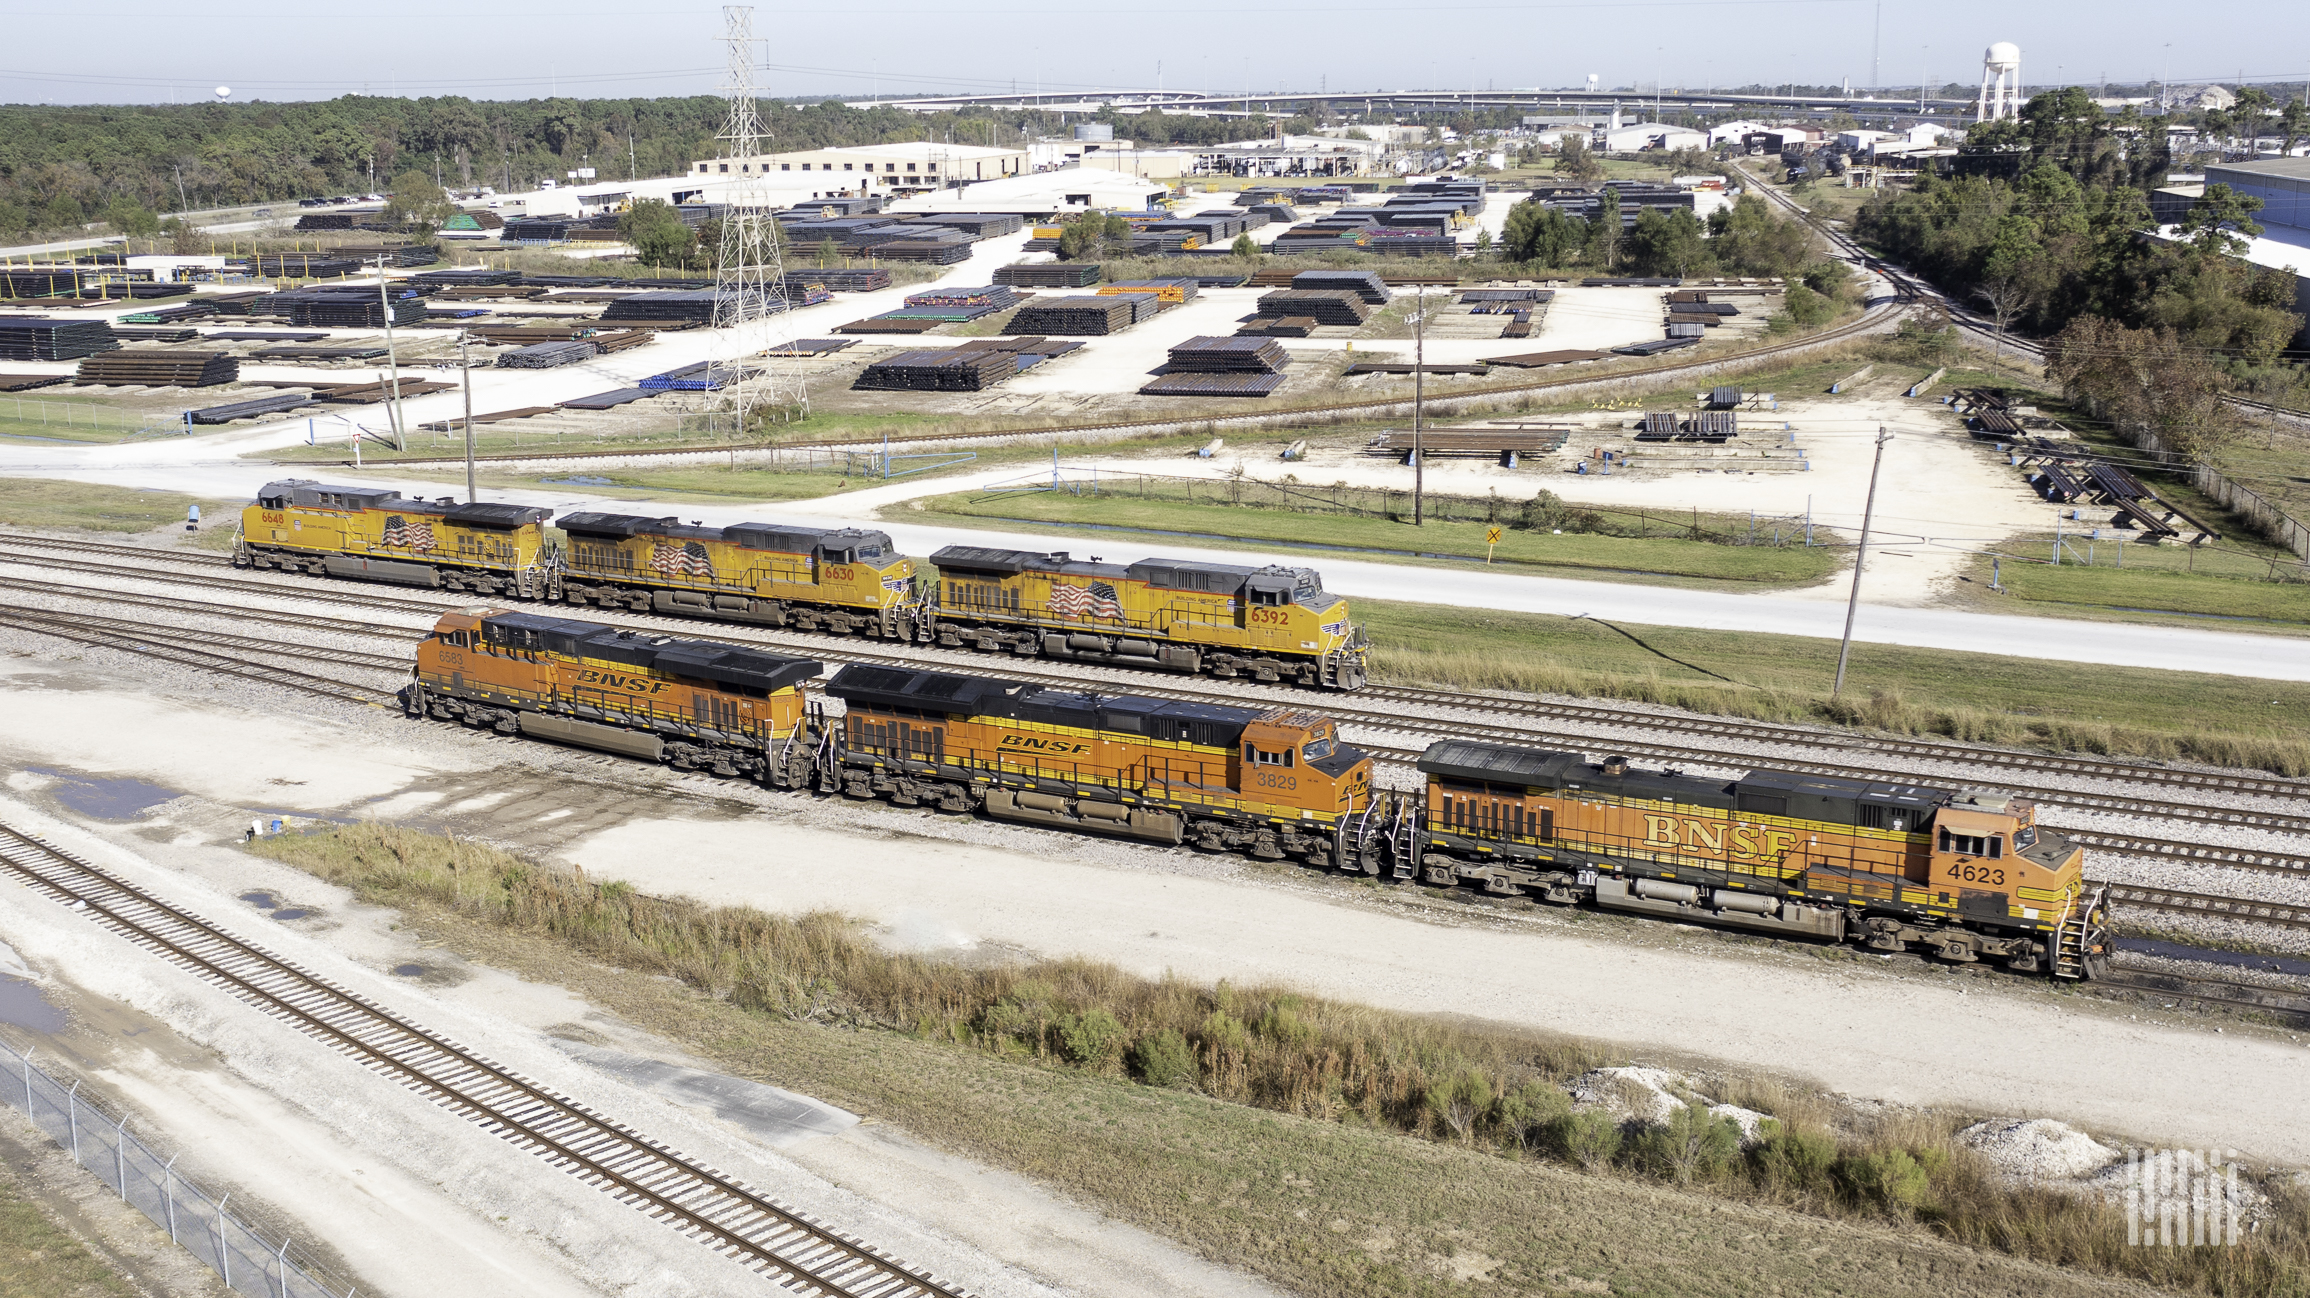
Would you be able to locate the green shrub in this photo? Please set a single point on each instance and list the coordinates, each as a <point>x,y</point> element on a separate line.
<point>1094,1037</point>
<point>1591,1139</point>
<point>1461,1101</point>
<point>1525,1114</point>
<point>1163,1058</point>
<point>1692,1143</point>
<point>1891,1178</point>
<point>1795,1158</point>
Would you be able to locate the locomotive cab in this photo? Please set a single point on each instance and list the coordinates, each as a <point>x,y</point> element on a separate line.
<point>1299,759</point>
<point>1994,862</point>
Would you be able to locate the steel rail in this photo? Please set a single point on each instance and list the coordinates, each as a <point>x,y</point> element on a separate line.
<point>63,627</point>
<point>783,1243</point>
<point>2175,901</point>
<point>1346,709</point>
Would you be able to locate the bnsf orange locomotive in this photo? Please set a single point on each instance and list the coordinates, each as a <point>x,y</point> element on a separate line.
<point>1967,876</point>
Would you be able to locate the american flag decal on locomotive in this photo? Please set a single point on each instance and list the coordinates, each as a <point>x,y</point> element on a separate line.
<point>688,559</point>
<point>1076,601</point>
<point>1335,628</point>
<point>399,531</point>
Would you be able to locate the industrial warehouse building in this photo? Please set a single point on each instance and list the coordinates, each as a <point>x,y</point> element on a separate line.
<point>2283,185</point>
<point>881,168</point>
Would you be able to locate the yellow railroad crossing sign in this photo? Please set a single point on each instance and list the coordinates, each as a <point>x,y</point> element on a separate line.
<point>1491,538</point>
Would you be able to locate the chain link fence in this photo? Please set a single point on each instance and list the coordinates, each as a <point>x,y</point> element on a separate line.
<point>199,1223</point>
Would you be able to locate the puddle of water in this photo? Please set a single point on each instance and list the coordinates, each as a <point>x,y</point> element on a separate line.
<point>2235,959</point>
<point>22,1005</point>
<point>410,970</point>
<point>106,797</point>
<point>581,480</point>
<point>261,900</point>
<point>291,912</point>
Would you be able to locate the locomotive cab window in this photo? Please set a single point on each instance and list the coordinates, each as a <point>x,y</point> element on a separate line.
<point>1269,598</point>
<point>1258,756</point>
<point>1318,749</point>
<point>1989,845</point>
<point>2025,837</point>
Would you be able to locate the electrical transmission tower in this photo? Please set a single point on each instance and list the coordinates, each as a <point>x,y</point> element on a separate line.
<point>750,275</point>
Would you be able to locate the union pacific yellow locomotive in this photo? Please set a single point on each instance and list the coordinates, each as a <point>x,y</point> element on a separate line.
<point>1270,783</point>
<point>769,574</point>
<point>298,525</point>
<point>1269,624</point>
<point>693,704</point>
<point>1967,875</point>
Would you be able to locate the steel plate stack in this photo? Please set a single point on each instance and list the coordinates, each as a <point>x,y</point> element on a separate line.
<point>1078,317</point>
<point>351,306</point>
<point>1052,274</point>
<point>429,280</point>
<point>695,306</point>
<point>1327,306</point>
<point>992,297</point>
<point>160,369</point>
<point>931,253</point>
<point>981,225</point>
<point>843,279</point>
<point>1391,244</point>
<point>325,221</point>
<point>1365,284</point>
<point>1296,326</point>
<point>275,404</point>
<point>953,370</point>
<point>42,281</point>
<point>1237,355</point>
<point>54,340</point>
<point>394,254</point>
<point>546,356</point>
<point>303,265</point>
<point>1212,385</point>
<point>705,376</point>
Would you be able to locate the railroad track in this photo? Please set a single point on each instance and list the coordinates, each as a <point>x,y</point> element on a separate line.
<point>135,639</point>
<point>1347,708</point>
<point>2173,901</point>
<point>783,1243</point>
<point>145,644</point>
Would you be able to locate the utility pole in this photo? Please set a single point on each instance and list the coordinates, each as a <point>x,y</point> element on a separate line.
<point>392,359</point>
<point>465,368</point>
<point>1419,390</point>
<point>1877,48</point>
<point>1861,556</point>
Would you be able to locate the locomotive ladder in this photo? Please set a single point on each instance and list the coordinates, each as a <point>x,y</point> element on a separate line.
<point>2071,932</point>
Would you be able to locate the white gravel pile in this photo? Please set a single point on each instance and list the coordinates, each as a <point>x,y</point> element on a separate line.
<point>2038,1151</point>
<point>1643,1094</point>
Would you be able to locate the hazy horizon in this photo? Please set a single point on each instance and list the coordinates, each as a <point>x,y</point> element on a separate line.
<point>262,49</point>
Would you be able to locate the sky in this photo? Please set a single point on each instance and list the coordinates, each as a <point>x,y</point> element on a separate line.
<point>139,51</point>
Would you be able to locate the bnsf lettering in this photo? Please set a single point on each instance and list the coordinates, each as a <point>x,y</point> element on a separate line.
<point>1748,841</point>
<point>620,681</point>
<point>1033,744</point>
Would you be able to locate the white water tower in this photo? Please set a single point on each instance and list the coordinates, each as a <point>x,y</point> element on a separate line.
<point>2000,83</point>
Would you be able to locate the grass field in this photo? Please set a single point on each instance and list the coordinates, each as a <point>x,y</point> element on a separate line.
<point>39,1259</point>
<point>2222,720</point>
<point>2232,584</point>
<point>1332,1149</point>
<point>63,419</point>
<point>1387,540</point>
<point>48,502</point>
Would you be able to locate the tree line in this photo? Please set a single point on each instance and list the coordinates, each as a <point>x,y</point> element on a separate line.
<point>2046,221</point>
<point>63,166</point>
